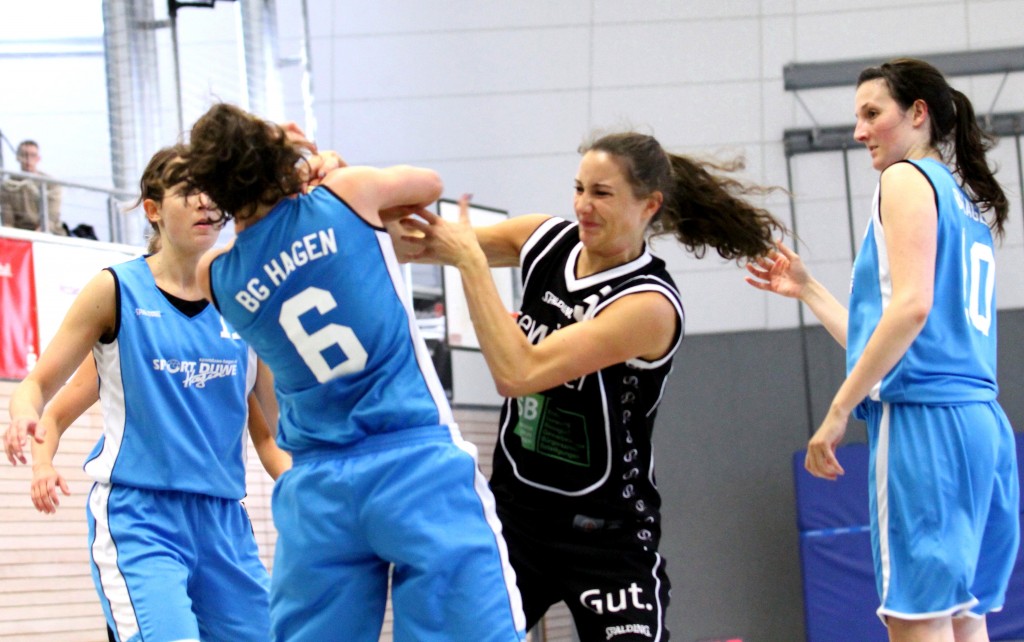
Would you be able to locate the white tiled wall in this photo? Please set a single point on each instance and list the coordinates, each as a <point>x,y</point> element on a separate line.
<point>64,110</point>
<point>497,96</point>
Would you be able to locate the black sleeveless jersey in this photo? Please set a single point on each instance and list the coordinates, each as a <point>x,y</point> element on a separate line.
<point>582,450</point>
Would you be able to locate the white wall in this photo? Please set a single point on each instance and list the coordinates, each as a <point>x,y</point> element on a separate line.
<point>497,97</point>
<point>57,100</point>
<point>53,74</point>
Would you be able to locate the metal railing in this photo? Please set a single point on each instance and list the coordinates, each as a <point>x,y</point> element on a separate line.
<point>105,209</point>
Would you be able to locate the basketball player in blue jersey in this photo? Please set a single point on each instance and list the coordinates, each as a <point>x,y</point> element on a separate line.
<point>920,337</point>
<point>172,550</point>
<point>381,476</point>
<point>584,367</point>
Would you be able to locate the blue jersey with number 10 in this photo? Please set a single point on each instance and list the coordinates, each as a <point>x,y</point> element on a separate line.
<point>318,293</point>
<point>953,359</point>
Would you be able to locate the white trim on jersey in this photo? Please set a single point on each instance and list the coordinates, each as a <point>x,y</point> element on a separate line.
<point>104,556</point>
<point>534,238</point>
<point>882,500</point>
<point>669,294</point>
<point>650,471</point>
<point>423,360</point>
<point>657,595</point>
<point>661,393</point>
<point>884,275</point>
<point>112,402</point>
<point>490,509</point>
<point>250,372</point>
<point>574,284</point>
<point>250,385</point>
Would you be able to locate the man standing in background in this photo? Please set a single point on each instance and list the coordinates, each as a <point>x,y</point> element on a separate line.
<point>20,197</point>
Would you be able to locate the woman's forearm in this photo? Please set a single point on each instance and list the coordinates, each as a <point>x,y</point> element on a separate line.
<point>505,348</point>
<point>827,308</point>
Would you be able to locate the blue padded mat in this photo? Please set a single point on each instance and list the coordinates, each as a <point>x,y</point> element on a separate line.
<point>840,597</point>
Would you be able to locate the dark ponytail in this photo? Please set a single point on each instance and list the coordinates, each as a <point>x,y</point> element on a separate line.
<point>707,209</point>
<point>702,207</point>
<point>970,145</point>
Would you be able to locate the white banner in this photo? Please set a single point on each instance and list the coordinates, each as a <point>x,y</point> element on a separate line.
<point>460,327</point>
<point>62,268</point>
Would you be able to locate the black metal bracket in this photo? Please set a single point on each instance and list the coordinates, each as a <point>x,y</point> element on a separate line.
<point>174,5</point>
<point>843,73</point>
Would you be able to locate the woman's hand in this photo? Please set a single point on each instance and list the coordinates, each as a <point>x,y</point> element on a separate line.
<point>318,164</point>
<point>317,167</point>
<point>322,164</point>
<point>821,449</point>
<point>45,482</point>
<point>16,438</point>
<point>297,137</point>
<point>781,272</point>
<point>432,239</point>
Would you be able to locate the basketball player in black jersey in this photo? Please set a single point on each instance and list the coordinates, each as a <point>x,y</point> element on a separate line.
<point>584,366</point>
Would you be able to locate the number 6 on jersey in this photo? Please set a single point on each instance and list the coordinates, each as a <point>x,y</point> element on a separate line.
<point>311,346</point>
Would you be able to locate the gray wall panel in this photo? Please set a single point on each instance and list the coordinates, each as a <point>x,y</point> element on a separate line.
<point>1011,365</point>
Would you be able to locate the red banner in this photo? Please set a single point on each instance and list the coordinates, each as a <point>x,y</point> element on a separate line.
<point>19,334</point>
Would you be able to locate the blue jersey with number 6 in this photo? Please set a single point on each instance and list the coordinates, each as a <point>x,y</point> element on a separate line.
<point>318,293</point>
<point>953,359</point>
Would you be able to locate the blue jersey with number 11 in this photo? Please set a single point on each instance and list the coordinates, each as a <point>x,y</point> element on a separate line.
<point>318,293</point>
<point>953,359</point>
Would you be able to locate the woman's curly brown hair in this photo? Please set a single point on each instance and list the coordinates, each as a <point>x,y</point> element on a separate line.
<point>241,161</point>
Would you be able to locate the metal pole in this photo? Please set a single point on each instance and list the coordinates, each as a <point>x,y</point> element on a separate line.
<point>172,10</point>
<point>115,221</point>
<point>307,76</point>
<point>10,146</point>
<point>254,44</point>
<point>117,24</point>
<point>804,356</point>
<point>44,209</point>
<point>849,204</point>
<point>1020,174</point>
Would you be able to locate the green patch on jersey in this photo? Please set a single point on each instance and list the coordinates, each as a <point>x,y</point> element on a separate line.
<point>552,432</point>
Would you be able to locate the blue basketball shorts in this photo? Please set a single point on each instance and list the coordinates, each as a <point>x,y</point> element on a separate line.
<point>178,566</point>
<point>945,507</point>
<point>414,503</point>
